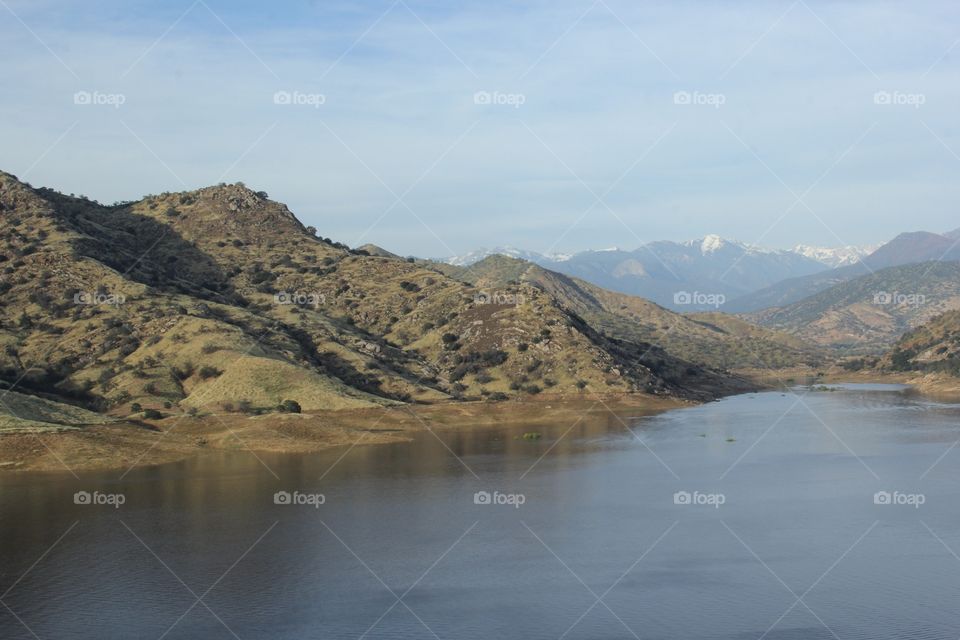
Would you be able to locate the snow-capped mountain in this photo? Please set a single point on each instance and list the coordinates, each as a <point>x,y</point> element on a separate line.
<point>674,274</point>
<point>477,255</point>
<point>837,256</point>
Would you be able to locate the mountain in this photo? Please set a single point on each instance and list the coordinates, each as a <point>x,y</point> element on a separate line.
<point>867,314</point>
<point>696,275</point>
<point>219,299</point>
<point>479,254</point>
<point>906,248</point>
<point>834,257</point>
<point>712,339</point>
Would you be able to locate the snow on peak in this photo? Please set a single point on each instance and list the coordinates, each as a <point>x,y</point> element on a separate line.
<point>836,256</point>
<point>711,243</point>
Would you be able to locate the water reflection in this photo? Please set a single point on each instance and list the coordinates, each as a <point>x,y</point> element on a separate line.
<point>798,471</point>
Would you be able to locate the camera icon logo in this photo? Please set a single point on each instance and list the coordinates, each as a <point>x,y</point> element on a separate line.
<point>882,497</point>
<point>282,497</point>
<point>82,497</point>
<point>482,97</point>
<point>681,497</point>
<point>282,97</point>
<point>482,497</point>
<point>682,297</point>
<point>682,97</point>
<point>82,97</point>
<point>882,297</point>
<point>882,97</point>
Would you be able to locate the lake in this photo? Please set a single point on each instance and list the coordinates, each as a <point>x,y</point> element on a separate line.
<point>807,514</point>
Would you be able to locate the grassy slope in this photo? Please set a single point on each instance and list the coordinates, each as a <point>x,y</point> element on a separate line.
<point>847,317</point>
<point>202,275</point>
<point>714,339</point>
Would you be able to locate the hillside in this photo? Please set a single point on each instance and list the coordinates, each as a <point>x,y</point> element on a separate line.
<point>713,339</point>
<point>219,300</point>
<point>906,248</point>
<point>931,347</point>
<point>868,314</point>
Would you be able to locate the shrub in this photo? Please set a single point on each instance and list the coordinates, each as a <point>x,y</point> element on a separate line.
<point>289,406</point>
<point>152,414</point>
<point>136,408</point>
<point>207,372</point>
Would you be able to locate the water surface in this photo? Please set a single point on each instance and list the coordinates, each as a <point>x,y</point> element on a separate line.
<point>598,549</point>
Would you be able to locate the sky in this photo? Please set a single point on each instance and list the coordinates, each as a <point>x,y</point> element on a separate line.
<point>434,128</point>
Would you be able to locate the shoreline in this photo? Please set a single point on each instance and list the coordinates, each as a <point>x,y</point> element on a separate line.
<point>123,445</point>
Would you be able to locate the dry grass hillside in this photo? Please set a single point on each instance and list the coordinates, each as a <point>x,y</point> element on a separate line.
<point>716,340</point>
<point>220,300</point>
<point>931,347</point>
<point>867,315</point>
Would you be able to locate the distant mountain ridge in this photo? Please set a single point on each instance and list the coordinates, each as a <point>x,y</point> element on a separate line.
<point>837,256</point>
<point>907,248</point>
<point>692,275</point>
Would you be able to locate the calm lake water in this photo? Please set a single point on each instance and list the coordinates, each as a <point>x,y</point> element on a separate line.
<point>781,536</point>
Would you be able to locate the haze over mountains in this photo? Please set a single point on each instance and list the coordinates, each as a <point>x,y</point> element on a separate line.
<point>684,276</point>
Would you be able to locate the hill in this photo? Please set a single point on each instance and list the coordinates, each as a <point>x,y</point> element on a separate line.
<point>932,347</point>
<point>712,339</point>
<point>868,314</point>
<point>219,299</point>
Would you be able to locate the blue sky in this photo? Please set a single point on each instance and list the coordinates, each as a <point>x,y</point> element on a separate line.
<point>433,128</point>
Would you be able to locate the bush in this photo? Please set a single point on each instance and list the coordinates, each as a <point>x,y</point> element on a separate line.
<point>207,372</point>
<point>152,414</point>
<point>289,406</point>
<point>136,408</point>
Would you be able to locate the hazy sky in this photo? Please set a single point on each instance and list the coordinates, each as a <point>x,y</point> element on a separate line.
<point>433,128</point>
